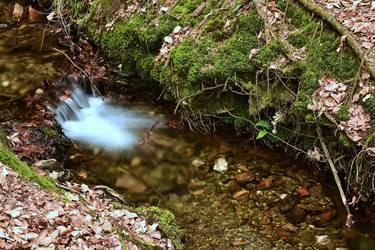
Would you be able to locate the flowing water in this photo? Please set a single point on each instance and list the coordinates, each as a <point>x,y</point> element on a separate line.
<point>262,199</point>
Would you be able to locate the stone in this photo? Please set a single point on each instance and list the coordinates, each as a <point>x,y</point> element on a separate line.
<point>221,165</point>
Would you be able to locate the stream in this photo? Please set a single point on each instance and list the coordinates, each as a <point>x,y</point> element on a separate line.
<point>262,199</point>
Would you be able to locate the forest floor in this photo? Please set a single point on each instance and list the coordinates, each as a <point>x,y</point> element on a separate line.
<point>31,217</point>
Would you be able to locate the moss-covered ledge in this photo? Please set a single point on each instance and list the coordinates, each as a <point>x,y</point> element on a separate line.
<point>216,60</point>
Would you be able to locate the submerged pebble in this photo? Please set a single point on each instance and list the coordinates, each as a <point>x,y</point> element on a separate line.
<point>221,165</point>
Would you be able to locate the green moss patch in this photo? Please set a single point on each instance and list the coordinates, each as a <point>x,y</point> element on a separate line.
<point>11,160</point>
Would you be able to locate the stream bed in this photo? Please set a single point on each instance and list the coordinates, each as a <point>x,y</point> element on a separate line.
<point>225,192</point>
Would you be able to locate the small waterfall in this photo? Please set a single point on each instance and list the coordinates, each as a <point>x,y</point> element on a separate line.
<point>94,121</point>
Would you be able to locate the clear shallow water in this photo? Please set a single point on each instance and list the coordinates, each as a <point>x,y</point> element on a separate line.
<point>252,205</point>
<point>24,63</point>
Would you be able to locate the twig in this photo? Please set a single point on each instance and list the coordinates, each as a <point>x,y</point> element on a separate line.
<point>71,61</point>
<point>111,192</point>
<point>43,37</point>
<point>349,218</point>
<point>7,95</point>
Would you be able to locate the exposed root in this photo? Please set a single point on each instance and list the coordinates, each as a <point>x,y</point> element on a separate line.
<point>325,15</point>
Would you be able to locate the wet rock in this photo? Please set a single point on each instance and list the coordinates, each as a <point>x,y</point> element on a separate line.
<point>322,240</point>
<point>296,215</point>
<point>135,162</point>
<point>244,178</point>
<point>287,236</point>
<point>240,242</point>
<point>302,192</point>
<point>288,203</point>
<point>290,227</point>
<point>325,217</point>
<point>266,183</point>
<point>283,196</point>
<point>131,183</point>
<point>221,165</point>
<point>231,186</point>
<point>198,192</point>
<point>35,16</point>
<point>240,194</point>
<point>17,12</point>
<point>197,163</point>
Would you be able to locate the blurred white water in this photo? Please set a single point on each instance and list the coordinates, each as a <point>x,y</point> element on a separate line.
<point>94,121</point>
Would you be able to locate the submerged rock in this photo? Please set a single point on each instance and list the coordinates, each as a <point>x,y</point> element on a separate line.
<point>221,165</point>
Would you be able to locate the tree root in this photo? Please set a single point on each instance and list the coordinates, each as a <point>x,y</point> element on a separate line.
<point>349,218</point>
<point>325,15</point>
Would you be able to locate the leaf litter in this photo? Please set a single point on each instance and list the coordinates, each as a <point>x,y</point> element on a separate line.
<point>33,218</point>
<point>358,16</point>
<point>331,97</point>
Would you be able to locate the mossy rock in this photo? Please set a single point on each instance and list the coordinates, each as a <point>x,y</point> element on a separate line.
<point>213,65</point>
<point>163,217</point>
<point>211,72</point>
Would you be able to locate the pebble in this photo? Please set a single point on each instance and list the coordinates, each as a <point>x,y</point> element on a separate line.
<point>5,83</point>
<point>177,29</point>
<point>197,163</point>
<point>322,240</point>
<point>221,165</point>
<point>39,91</point>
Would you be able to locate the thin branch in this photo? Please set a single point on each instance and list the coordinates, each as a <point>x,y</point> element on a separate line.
<point>71,61</point>
<point>349,218</point>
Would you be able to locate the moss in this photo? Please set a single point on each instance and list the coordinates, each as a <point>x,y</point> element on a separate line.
<point>152,36</point>
<point>310,119</point>
<point>209,69</point>
<point>343,140</point>
<point>268,53</point>
<point>49,131</point>
<point>126,237</point>
<point>320,43</point>
<point>78,7</point>
<point>166,221</point>
<point>250,23</point>
<point>188,54</point>
<point>369,106</point>
<point>11,160</point>
<point>343,113</point>
<point>296,15</point>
